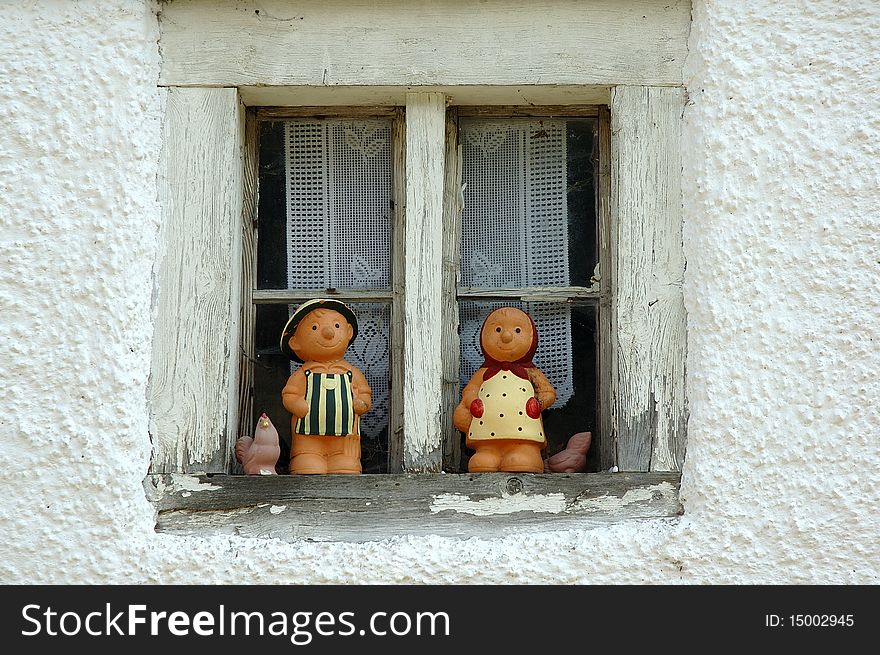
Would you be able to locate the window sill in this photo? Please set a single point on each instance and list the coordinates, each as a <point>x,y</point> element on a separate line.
<point>374,507</point>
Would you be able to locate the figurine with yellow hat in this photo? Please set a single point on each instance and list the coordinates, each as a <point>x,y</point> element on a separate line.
<point>326,395</point>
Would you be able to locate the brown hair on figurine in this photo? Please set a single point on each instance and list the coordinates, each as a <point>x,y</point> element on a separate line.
<point>500,408</point>
<point>326,395</point>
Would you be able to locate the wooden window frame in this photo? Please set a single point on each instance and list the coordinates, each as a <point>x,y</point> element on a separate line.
<point>219,66</point>
<point>638,145</point>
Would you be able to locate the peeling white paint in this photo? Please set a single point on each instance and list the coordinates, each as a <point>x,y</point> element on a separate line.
<point>608,503</point>
<point>188,483</point>
<point>649,308</point>
<point>507,504</point>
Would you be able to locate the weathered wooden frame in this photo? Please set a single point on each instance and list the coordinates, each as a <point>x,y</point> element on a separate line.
<point>316,49</point>
<point>378,507</point>
<point>208,192</point>
<point>194,383</point>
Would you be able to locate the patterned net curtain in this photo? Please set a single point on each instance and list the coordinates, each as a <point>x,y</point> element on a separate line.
<point>515,233</point>
<point>339,231</point>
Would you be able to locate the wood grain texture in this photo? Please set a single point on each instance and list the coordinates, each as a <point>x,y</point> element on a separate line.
<point>533,294</point>
<point>377,507</point>
<point>293,296</point>
<point>545,110</point>
<point>649,314</point>
<point>607,437</point>
<point>423,252</point>
<point>193,391</point>
<point>528,95</point>
<point>399,43</point>
<point>248,320</point>
<point>348,112</point>
<point>453,203</point>
<point>398,273</point>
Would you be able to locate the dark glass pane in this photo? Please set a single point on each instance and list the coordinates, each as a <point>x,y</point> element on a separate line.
<point>529,216</point>
<point>272,242</point>
<point>583,251</point>
<point>370,352</point>
<point>567,354</point>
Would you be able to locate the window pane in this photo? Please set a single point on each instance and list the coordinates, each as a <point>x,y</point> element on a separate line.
<point>370,352</point>
<point>325,204</point>
<point>576,383</point>
<point>529,216</point>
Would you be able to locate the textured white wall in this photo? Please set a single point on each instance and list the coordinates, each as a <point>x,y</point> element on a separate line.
<point>783,292</point>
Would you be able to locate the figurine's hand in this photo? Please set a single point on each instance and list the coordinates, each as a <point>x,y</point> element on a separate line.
<point>477,408</point>
<point>461,418</point>
<point>300,407</point>
<point>360,406</point>
<point>533,408</point>
<point>545,399</point>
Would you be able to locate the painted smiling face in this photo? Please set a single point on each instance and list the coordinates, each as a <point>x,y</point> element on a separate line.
<point>323,335</point>
<point>508,335</point>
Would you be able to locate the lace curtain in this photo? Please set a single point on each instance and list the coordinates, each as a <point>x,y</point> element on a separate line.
<point>339,231</point>
<point>515,233</point>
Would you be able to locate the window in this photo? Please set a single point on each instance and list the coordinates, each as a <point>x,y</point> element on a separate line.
<point>325,229</point>
<point>529,239</point>
<point>216,288</point>
<point>544,168</point>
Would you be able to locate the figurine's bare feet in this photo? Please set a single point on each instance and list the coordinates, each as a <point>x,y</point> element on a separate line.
<point>523,458</point>
<point>486,460</point>
<point>308,464</point>
<point>345,464</point>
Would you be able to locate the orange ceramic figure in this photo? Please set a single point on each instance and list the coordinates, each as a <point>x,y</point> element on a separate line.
<point>326,395</point>
<point>500,408</point>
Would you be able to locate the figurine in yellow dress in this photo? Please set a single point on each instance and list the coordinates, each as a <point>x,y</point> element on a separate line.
<point>500,408</point>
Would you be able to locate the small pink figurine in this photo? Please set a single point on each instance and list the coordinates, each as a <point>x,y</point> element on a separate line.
<point>500,408</point>
<point>259,454</point>
<point>573,459</point>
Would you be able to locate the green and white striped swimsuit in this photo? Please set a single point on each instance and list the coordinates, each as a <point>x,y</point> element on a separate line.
<point>331,405</point>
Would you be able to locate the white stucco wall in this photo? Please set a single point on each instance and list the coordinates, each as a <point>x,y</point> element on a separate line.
<point>781,189</point>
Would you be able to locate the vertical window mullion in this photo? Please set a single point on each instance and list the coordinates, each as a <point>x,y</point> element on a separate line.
<point>452,206</point>
<point>249,232</point>
<point>607,442</point>
<point>398,267</point>
<point>423,252</point>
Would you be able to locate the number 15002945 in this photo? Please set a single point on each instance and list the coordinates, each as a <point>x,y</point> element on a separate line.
<point>809,620</point>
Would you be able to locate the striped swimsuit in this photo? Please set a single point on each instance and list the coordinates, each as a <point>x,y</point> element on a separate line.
<point>331,405</point>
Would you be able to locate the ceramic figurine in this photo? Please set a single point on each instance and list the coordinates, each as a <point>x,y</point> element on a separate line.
<point>259,454</point>
<point>326,395</point>
<point>500,408</point>
<point>574,458</point>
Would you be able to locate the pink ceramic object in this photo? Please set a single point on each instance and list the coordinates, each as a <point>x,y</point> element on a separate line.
<point>259,454</point>
<point>574,458</point>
